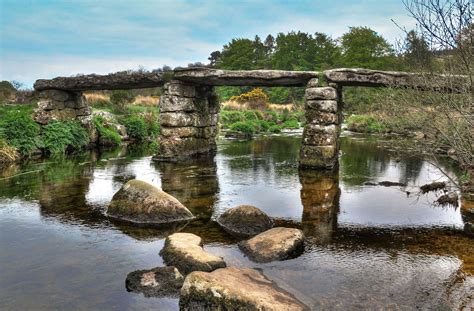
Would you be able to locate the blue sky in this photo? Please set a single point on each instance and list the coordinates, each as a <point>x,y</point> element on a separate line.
<point>44,39</point>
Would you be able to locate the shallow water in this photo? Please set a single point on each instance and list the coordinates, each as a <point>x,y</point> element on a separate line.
<point>368,247</point>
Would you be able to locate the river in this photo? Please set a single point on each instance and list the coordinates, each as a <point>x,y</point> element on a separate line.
<point>368,246</point>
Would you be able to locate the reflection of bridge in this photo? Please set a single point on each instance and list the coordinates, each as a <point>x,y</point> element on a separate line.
<point>189,107</point>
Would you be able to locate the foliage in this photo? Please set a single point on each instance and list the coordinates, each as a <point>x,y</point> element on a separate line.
<point>20,131</point>
<point>121,98</point>
<point>136,127</point>
<point>255,99</point>
<point>365,124</point>
<point>106,133</point>
<point>59,136</point>
<point>243,127</point>
<point>363,47</point>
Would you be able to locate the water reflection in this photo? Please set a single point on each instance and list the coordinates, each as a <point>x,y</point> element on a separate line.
<point>320,194</point>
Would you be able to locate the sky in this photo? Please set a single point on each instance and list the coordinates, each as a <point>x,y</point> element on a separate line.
<point>45,39</point>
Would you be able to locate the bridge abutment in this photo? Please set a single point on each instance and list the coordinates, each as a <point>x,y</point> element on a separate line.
<point>189,116</point>
<point>59,105</point>
<point>320,145</point>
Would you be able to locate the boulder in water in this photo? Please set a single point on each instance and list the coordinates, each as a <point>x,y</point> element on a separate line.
<point>185,252</point>
<point>274,244</point>
<point>245,221</point>
<point>234,289</point>
<point>140,202</point>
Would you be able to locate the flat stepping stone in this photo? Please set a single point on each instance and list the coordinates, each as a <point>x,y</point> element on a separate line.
<point>274,244</point>
<point>185,252</point>
<point>156,282</point>
<point>234,289</point>
<point>143,203</point>
<point>245,221</point>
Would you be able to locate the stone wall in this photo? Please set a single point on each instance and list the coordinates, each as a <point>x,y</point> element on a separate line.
<point>320,145</point>
<point>56,105</point>
<point>188,118</point>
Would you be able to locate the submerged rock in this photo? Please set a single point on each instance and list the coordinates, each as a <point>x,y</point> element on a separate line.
<point>140,202</point>
<point>156,282</point>
<point>274,244</point>
<point>245,220</point>
<point>234,289</point>
<point>185,252</point>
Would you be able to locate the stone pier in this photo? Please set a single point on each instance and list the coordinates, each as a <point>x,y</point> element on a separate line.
<point>188,116</point>
<point>320,145</point>
<point>59,105</point>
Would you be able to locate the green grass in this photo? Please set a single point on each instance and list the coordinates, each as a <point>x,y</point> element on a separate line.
<point>366,124</point>
<point>256,121</point>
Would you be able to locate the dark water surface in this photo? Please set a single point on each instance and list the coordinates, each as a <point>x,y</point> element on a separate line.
<point>368,246</point>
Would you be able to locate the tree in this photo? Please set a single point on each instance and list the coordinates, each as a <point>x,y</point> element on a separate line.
<point>417,54</point>
<point>215,58</point>
<point>363,47</point>
<point>446,119</point>
<point>294,51</point>
<point>238,55</point>
<point>259,53</point>
<point>327,52</point>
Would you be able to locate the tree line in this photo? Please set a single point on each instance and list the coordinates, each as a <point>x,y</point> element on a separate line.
<point>359,47</point>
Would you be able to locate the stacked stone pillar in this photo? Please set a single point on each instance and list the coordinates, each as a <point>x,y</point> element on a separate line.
<point>188,116</point>
<point>58,105</point>
<point>320,146</point>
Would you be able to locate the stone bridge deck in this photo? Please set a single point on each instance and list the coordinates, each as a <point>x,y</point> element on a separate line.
<point>217,77</point>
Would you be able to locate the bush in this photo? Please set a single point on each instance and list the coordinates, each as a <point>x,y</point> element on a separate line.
<point>255,99</point>
<point>121,98</point>
<point>365,124</point>
<point>243,127</point>
<point>229,117</point>
<point>107,136</point>
<point>20,131</point>
<point>291,124</point>
<point>136,127</point>
<point>59,136</point>
<point>274,129</point>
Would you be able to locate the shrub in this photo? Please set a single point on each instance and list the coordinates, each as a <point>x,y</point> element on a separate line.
<point>107,136</point>
<point>291,124</point>
<point>229,117</point>
<point>59,136</point>
<point>274,129</point>
<point>255,99</point>
<point>365,124</point>
<point>243,127</point>
<point>20,131</point>
<point>136,127</point>
<point>121,98</point>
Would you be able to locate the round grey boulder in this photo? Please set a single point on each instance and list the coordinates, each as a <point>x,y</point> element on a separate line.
<point>140,202</point>
<point>245,221</point>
